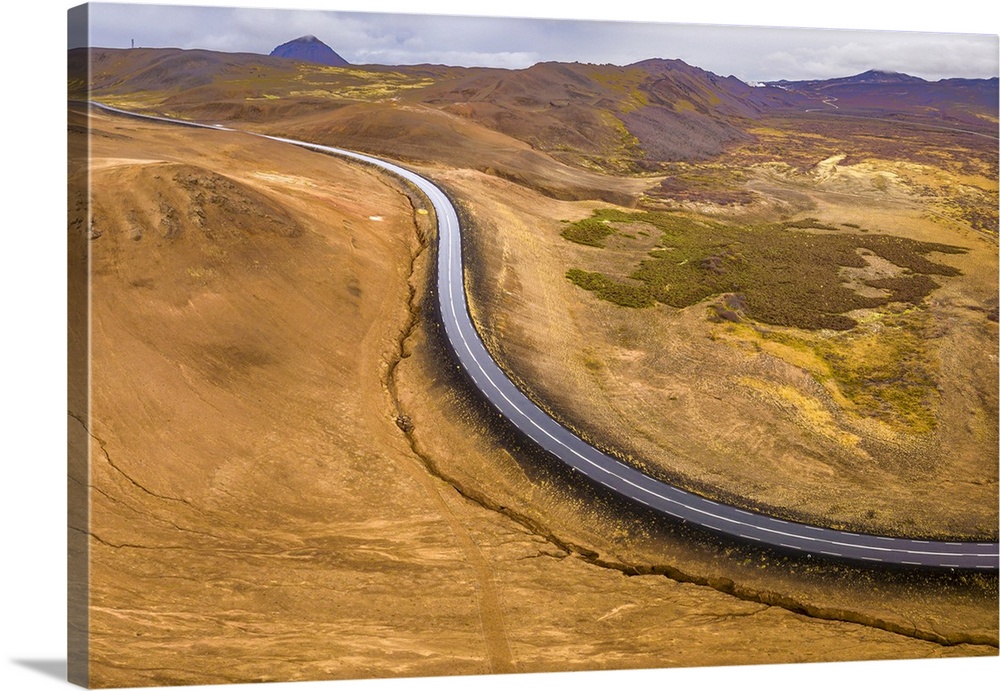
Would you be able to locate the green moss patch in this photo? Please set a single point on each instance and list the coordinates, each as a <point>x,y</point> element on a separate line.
<point>784,276</point>
<point>594,230</point>
<point>624,294</point>
<point>808,223</point>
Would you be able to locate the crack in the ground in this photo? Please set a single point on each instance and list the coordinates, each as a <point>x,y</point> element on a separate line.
<point>123,545</point>
<point>107,456</point>
<point>558,556</point>
<point>245,552</point>
<point>159,519</point>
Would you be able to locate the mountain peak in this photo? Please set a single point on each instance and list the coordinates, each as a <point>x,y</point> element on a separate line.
<point>881,76</point>
<point>309,49</point>
<point>871,78</point>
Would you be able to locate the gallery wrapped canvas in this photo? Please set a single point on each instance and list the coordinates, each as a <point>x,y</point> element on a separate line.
<point>410,345</point>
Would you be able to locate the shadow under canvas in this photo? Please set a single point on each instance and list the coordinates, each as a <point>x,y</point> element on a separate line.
<point>50,668</point>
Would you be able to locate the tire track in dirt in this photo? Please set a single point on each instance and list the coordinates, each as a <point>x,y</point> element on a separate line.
<point>498,654</point>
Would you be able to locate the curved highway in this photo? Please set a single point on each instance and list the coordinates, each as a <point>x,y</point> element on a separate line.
<point>613,474</point>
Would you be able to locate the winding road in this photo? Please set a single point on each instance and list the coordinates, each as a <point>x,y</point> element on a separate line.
<point>623,479</point>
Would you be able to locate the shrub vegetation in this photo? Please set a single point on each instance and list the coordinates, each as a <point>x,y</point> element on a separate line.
<point>785,276</point>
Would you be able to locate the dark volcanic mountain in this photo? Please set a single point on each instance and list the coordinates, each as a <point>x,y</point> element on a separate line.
<point>871,77</point>
<point>309,49</point>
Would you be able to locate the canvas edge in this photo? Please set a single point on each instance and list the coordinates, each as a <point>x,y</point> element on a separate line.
<point>78,385</point>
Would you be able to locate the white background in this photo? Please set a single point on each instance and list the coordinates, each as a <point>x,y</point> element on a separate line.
<point>32,543</point>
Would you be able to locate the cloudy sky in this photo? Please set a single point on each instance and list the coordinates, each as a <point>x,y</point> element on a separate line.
<point>392,34</point>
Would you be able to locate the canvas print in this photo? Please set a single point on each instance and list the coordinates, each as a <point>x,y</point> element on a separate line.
<point>406,345</point>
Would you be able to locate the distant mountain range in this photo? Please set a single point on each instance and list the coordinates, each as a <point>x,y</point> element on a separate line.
<point>309,49</point>
<point>620,119</point>
<point>876,92</point>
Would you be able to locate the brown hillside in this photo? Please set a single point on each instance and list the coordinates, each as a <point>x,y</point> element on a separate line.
<point>633,117</point>
<point>603,117</point>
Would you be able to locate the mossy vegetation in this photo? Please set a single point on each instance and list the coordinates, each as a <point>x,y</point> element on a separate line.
<point>625,84</point>
<point>620,293</point>
<point>885,369</point>
<point>887,373</point>
<point>809,223</point>
<point>703,183</point>
<point>783,274</point>
<point>593,231</point>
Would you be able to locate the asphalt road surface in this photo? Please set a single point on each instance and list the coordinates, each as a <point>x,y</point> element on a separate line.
<point>612,473</point>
